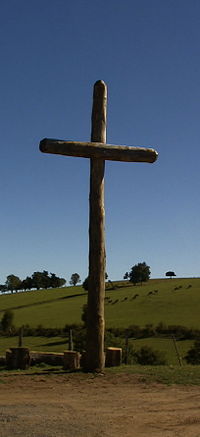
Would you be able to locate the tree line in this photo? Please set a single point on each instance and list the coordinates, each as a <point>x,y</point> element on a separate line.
<point>139,273</point>
<point>37,280</point>
<point>43,280</point>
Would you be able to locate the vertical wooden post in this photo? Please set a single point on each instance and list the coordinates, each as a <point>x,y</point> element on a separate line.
<point>71,345</point>
<point>95,358</point>
<point>177,351</point>
<point>126,350</point>
<point>21,333</point>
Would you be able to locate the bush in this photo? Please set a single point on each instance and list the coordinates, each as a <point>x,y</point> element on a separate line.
<point>85,284</point>
<point>149,330</point>
<point>79,339</point>
<point>84,314</point>
<point>128,356</point>
<point>180,332</point>
<point>193,355</point>
<point>7,321</point>
<point>134,331</point>
<point>147,356</point>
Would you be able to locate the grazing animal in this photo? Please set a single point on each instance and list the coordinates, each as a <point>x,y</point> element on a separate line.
<point>134,297</point>
<point>125,298</point>
<point>115,301</point>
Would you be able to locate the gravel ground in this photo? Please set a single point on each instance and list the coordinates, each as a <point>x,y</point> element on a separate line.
<point>108,405</point>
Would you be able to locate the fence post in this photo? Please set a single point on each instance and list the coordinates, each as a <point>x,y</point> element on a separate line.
<point>177,351</point>
<point>126,350</point>
<point>21,332</point>
<point>71,346</point>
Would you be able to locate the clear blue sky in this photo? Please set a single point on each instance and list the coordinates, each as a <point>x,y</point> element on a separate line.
<point>148,53</point>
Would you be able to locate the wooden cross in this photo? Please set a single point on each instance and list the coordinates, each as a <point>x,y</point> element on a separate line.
<point>98,151</point>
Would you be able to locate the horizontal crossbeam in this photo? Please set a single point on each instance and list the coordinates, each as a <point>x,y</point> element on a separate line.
<point>98,150</point>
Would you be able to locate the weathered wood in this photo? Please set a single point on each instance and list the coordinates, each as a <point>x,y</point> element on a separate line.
<point>52,358</point>
<point>21,333</point>
<point>95,357</point>
<point>71,344</point>
<point>113,356</point>
<point>71,360</point>
<point>17,358</point>
<point>98,150</point>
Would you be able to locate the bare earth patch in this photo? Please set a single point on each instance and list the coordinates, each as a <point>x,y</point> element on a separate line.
<point>108,405</point>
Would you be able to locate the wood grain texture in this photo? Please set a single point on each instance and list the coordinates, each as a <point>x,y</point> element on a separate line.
<point>98,150</point>
<point>95,359</point>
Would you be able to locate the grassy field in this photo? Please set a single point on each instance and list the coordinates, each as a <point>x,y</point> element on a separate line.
<point>166,346</point>
<point>180,306</point>
<point>40,344</point>
<point>59,344</point>
<point>172,301</point>
<point>51,308</point>
<point>187,375</point>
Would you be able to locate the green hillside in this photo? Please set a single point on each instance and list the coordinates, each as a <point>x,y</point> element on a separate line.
<point>172,301</point>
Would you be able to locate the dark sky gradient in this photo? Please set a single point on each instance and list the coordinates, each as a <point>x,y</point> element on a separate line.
<point>148,53</point>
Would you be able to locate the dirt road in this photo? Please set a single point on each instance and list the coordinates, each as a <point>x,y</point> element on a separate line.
<point>102,406</point>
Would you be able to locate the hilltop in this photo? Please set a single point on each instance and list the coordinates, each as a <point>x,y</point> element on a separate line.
<point>171,301</point>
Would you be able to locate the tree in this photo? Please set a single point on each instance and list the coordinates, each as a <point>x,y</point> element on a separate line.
<point>56,282</point>
<point>7,320</point>
<point>27,283</point>
<point>3,288</point>
<point>85,283</point>
<point>62,281</point>
<point>170,274</point>
<point>139,273</point>
<point>37,280</point>
<point>126,275</point>
<point>41,280</point>
<point>13,283</point>
<point>75,278</point>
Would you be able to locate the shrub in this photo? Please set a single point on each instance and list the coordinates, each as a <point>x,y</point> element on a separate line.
<point>7,321</point>
<point>128,356</point>
<point>79,339</point>
<point>193,355</point>
<point>85,284</point>
<point>147,356</point>
<point>149,330</point>
<point>134,331</point>
<point>84,314</point>
<point>162,328</point>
